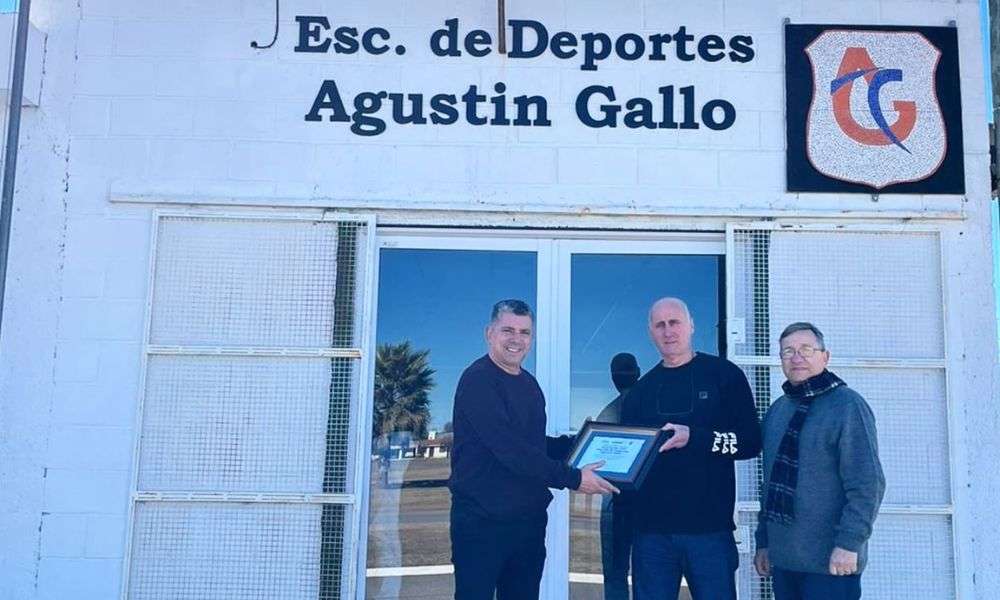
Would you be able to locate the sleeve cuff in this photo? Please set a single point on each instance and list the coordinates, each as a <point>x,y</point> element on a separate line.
<point>760,536</point>
<point>849,542</point>
<point>573,479</point>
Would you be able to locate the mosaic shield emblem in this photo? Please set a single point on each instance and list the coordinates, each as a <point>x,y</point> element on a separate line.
<point>874,118</point>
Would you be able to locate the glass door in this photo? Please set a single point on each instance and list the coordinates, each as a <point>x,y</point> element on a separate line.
<point>604,294</point>
<point>434,301</point>
<point>591,298</point>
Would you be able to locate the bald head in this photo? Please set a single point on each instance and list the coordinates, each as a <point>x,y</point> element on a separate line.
<point>671,301</point>
<point>671,329</point>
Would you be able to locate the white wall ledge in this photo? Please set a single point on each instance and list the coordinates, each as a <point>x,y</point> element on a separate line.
<point>953,210</point>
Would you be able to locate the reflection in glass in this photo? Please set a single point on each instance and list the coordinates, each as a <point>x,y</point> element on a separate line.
<point>610,300</point>
<point>433,308</point>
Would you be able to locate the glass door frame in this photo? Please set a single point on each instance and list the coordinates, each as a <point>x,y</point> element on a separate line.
<point>554,250</point>
<point>558,391</point>
<point>448,239</point>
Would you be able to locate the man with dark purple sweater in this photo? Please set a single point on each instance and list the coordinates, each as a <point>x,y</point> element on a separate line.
<point>502,466</point>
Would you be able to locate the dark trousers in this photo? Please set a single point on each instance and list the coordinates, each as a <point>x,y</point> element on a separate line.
<point>496,557</point>
<point>708,561</point>
<point>795,585</point>
<point>616,547</point>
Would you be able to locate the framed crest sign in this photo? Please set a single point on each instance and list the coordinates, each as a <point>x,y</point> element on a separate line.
<point>873,109</point>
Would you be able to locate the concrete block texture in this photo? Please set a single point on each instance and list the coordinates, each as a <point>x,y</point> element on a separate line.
<point>63,535</point>
<point>752,169</point>
<point>105,536</point>
<point>597,166</point>
<point>97,37</point>
<point>105,401</point>
<point>90,447</point>
<point>78,490</point>
<point>682,168</point>
<point>61,578</point>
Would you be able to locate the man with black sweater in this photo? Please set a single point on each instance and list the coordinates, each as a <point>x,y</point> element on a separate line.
<point>684,510</point>
<point>502,465</point>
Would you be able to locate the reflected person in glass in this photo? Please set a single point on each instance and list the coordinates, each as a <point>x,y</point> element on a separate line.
<point>616,514</point>
<point>503,465</point>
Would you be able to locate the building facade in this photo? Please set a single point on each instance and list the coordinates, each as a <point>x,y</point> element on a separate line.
<point>219,250</point>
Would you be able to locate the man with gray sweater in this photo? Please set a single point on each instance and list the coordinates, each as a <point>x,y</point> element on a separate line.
<point>824,482</point>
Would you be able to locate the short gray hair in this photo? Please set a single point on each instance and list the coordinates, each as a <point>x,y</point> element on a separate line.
<point>671,300</point>
<point>803,326</point>
<point>512,306</point>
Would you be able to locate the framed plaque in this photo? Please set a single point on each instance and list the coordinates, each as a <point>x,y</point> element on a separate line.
<point>628,452</point>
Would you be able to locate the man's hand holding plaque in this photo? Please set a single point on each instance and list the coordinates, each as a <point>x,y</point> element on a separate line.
<point>592,483</point>
<point>677,436</point>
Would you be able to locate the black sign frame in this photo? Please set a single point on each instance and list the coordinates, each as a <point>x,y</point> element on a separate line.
<point>802,176</point>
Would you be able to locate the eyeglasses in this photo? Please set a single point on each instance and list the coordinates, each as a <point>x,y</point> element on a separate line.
<point>804,352</point>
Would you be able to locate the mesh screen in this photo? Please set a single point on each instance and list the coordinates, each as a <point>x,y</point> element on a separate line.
<point>909,557</point>
<point>220,551</point>
<point>351,240</point>
<point>749,585</point>
<point>247,421</point>
<point>246,424</point>
<point>874,295</point>
<point>241,282</point>
<point>911,414</point>
<point>751,291</point>
<point>766,385</point>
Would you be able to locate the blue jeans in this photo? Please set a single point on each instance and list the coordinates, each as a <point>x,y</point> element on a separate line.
<point>708,561</point>
<point>794,585</point>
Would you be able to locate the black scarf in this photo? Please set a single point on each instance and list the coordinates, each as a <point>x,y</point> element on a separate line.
<point>779,506</point>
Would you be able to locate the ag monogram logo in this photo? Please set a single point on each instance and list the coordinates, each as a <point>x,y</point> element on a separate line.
<point>874,118</point>
<point>857,64</point>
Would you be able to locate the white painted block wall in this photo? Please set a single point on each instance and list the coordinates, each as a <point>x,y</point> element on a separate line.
<point>167,100</point>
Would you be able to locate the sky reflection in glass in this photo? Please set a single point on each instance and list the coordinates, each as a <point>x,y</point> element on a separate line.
<point>611,296</point>
<point>441,300</point>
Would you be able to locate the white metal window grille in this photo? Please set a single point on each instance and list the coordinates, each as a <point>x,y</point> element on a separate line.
<point>250,448</point>
<point>877,295</point>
